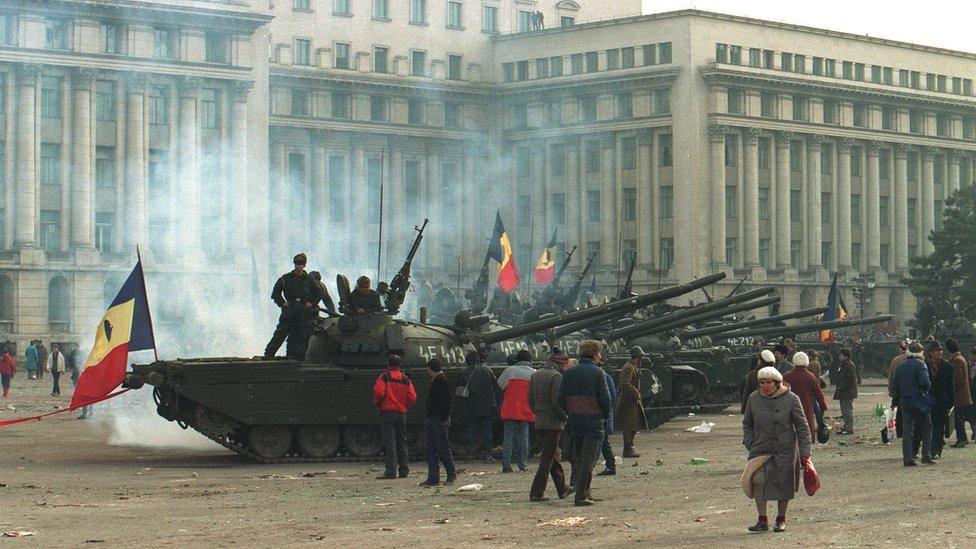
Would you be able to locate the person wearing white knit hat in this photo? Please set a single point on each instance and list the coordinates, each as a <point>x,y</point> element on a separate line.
<point>776,433</point>
<point>806,386</point>
<point>765,358</point>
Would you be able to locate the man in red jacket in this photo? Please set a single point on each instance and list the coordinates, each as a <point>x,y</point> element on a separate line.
<point>394,395</point>
<point>7,370</point>
<point>806,386</point>
<point>516,414</point>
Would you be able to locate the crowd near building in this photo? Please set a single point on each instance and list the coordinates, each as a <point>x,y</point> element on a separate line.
<point>225,136</point>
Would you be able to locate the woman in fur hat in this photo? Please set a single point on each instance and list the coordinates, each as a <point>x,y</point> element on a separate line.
<point>776,433</point>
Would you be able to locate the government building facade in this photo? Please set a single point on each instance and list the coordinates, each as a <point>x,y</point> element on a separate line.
<point>224,136</point>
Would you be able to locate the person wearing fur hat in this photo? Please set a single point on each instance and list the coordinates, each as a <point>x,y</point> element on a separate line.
<point>764,358</point>
<point>911,378</point>
<point>629,413</point>
<point>806,386</point>
<point>783,357</point>
<point>777,434</point>
<point>846,389</point>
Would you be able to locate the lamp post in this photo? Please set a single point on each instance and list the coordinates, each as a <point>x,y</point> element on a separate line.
<point>863,286</point>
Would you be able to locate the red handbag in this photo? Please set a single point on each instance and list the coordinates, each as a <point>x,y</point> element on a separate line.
<point>811,480</point>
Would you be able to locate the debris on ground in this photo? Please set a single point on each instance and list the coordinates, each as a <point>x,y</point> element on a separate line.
<point>567,522</point>
<point>18,533</point>
<point>471,487</point>
<point>442,521</point>
<point>705,427</point>
<point>698,461</point>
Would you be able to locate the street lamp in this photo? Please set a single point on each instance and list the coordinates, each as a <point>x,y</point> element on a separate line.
<point>863,286</point>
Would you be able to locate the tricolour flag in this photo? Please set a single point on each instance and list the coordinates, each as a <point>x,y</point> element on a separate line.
<point>126,327</point>
<point>593,289</point>
<point>545,269</point>
<point>500,249</point>
<point>835,310</point>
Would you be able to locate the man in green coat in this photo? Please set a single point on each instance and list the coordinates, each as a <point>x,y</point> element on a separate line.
<point>846,389</point>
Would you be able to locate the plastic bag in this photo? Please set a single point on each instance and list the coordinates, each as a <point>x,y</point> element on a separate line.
<point>891,426</point>
<point>705,427</point>
<point>811,480</point>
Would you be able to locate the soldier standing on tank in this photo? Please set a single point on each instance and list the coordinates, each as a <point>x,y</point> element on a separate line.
<point>296,292</point>
<point>324,294</point>
<point>364,300</point>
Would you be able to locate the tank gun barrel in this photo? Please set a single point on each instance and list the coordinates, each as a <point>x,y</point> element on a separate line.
<point>401,282</point>
<point>677,323</point>
<point>718,305</point>
<point>711,330</point>
<point>629,304</point>
<point>563,331</point>
<point>807,328</point>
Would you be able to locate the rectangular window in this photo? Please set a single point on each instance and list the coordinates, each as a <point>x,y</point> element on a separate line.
<point>847,69</point>
<point>856,209</point>
<point>627,58</point>
<point>303,49</point>
<point>735,55</point>
<point>755,57</point>
<point>826,159</point>
<point>105,101</point>
<point>415,111</point>
<point>913,166</point>
<point>667,202</point>
<point>489,19</point>
<point>830,68</point>
<point>860,115</point>
<point>889,76</point>
<point>786,61</point>
<point>662,101</point>
<point>50,97</point>
<point>629,204</point>
<point>158,105</point>
<point>342,59</point>
<point>453,67</point>
<point>567,21</point>
<point>826,208</point>
<point>721,53</point>
<point>299,102</point>
<point>915,122</point>
<point>664,53</point>
<point>876,74</point>
<point>856,255</point>
<point>942,123</point>
<point>795,253</point>
<point>50,171</point>
<point>337,185</point>
<point>731,250</point>
<point>904,79</point>
<point>795,197</point>
<point>508,72</point>
<point>209,108</point>
<point>594,248</point>
<point>667,253</point>
<point>628,248</point>
<point>520,116</point>
<point>731,201</point>
<point>104,225</point>
<point>826,249</point>
<point>796,156</point>
<point>731,150</point>
<point>525,20</point>
<point>763,153</point>
<point>736,101</point>
<point>628,153</point>
<point>885,254</point>
<point>938,169</point>
<point>884,164</point>
<point>381,60</point>
<point>216,47</point>
<point>56,34</point>
<point>767,104</point>
<point>576,63</point>
<point>164,43</point>
<point>105,167</point>
<point>763,203</point>
<point>381,9</point>
<point>378,108</point>
<point>50,230</point>
<point>650,54</point>
<point>452,114</point>
<point>912,213</point>
<point>856,161</point>
<point>818,67</point>
<point>592,206</point>
<point>888,118</point>
<point>418,63</point>
<point>542,68</point>
<point>554,113</point>
<point>588,108</point>
<point>799,63</point>
<point>341,7</point>
<point>592,152</point>
<point>556,64</point>
<point>625,105</point>
<point>557,159</point>
<point>800,110</point>
<point>112,38</point>
<point>884,210</point>
<point>665,150</point>
<point>592,61</point>
<point>454,19</point>
<point>859,72</point>
<point>522,70</point>
<point>764,252</point>
<point>613,60</point>
<point>558,208</point>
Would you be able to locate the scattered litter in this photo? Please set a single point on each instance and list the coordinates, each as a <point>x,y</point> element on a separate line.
<point>723,511</point>
<point>385,504</point>
<point>94,541</point>
<point>471,487</point>
<point>442,521</point>
<point>634,464</point>
<point>700,519</point>
<point>691,414</point>
<point>314,474</point>
<point>645,472</point>
<point>698,461</point>
<point>269,477</point>
<point>18,533</point>
<point>705,427</point>
<point>628,525</point>
<point>477,473</point>
<point>11,408</point>
<point>194,475</point>
<point>383,529</point>
<point>487,537</point>
<point>567,522</point>
<point>659,462</point>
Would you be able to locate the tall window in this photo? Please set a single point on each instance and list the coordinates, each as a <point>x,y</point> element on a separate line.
<point>627,58</point>
<point>105,167</point>
<point>800,108</point>
<point>592,160</point>
<point>210,108</point>
<point>56,34</point>
<point>826,208</point>
<point>104,225</point>
<point>341,105</point>
<point>912,213</point>
<point>520,116</point>
<point>378,108</point>
<point>415,111</point>
<point>667,202</point>
<point>337,185</point>
<point>418,11</point>
<point>667,253</point>
<point>826,159</point>
<point>302,5</point>
<point>112,38</point>
<point>556,65</point>
<point>795,253</point>
<point>452,114</point>
<point>454,19</point>
<point>303,51</point>
<point>557,160</point>
<point>731,250</point>
<point>662,101</point>
<point>164,43</point>
<point>558,204</point>
<point>856,161</point>
<point>58,304</point>
<point>50,97</point>
<point>884,211</point>
<point>592,206</point>
<point>855,209</point>
<point>628,153</point>
<point>524,21</point>
<point>50,230</point>
<point>381,59</point>
<point>763,203</point>
<point>588,108</point>
<point>736,101</point>
<point>625,105</point>
<point>453,67</point>
<point>105,101</point>
<point>795,197</point>
<point>763,153</point>
<point>629,204</point>
<point>50,164</point>
<point>489,19</point>
<point>764,252</point>
<point>341,7</point>
<point>299,102</point>
<point>381,9</point>
<point>613,59</point>
<point>664,53</point>
<point>665,150</point>
<point>542,68</point>
<point>826,249</point>
<point>731,201</point>
<point>860,115</point>
<point>6,299</point>
<point>767,104</point>
<point>418,64</point>
<point>158,105</point>
<point>215,46</point>
<point>341,55</point>
<point>592,61</point>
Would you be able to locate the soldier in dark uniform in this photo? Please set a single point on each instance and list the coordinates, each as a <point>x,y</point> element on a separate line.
<point>364,300</point>
<point>296,292</point>
<point>324,294</point>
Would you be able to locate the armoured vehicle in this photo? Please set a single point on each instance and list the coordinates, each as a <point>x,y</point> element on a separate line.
<point>321,408</point>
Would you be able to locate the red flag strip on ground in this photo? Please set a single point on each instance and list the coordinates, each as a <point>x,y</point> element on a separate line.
<point>500,249</point>
<point>545,269</point>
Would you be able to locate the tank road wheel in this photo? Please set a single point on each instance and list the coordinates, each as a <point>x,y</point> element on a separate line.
<point>416,441</point>
<point>318,441</point>
<point>269,441</point>
<point>362,440</point>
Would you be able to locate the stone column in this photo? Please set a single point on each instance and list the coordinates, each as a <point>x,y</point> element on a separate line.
<point>873,221</point>
<point>240,174</point>
<point>953,172</point>
<point>469,208</point>
<point>716,160</point>
<point>136,184</point>
<point>356,221</point>
<point>814,227</point>
<point>750,198</point>
<point>645,212</point>
<point>26,233</point>
<point>783,200</point>
<point>900,202</point>
<point>8,167</point>
<point>189,146</point>
<point>843,203</point>
<point>319,182</point>
<point>574,196</point>
<point>608,216</point>
<point>81,160</point>
<point>927,201</point>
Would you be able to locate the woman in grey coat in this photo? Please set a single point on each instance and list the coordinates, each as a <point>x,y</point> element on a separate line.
<point>777,435</point>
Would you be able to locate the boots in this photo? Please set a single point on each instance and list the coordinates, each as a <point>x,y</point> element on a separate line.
<point>6,391</point>
<point>630,453</point>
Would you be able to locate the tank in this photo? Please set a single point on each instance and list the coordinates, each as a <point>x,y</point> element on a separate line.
<point>320,408</point>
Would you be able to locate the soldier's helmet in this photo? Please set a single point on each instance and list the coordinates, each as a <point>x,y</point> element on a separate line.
<point>363,281</point>
<point>301,259</point>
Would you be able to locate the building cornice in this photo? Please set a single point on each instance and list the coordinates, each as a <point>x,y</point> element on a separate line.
<point>72,60</point>
<point>368,127</point>
<point>578,84</point>
<point>334,79</point>
<point>602,126</point>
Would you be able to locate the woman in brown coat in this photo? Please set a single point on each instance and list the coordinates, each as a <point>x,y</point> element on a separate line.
<point>962,396</point>
<point>629,415</point>
<point>776,433</point>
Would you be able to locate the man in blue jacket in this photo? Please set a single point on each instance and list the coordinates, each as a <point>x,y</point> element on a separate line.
<point>585,397</point>
<point>605,448</point>
<point>911,378</point>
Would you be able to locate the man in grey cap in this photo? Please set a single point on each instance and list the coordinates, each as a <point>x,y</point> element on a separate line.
<point>629,414</point>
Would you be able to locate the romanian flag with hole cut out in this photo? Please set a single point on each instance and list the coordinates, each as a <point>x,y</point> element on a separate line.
<point>835,311</point>
<point>125,327</point>
<point>545,269</point>
<point>500,249</point>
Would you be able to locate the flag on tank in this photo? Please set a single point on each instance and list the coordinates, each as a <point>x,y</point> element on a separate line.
<point>500,249</point>
<point>545,269</point>
<point>126,327</point>
<point>835,310</point>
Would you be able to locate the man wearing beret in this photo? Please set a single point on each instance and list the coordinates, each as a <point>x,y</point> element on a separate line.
<point>296,293</point>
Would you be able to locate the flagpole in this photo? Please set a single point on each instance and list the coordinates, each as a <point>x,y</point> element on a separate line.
<point>145,295</point>
<point>379,246</point>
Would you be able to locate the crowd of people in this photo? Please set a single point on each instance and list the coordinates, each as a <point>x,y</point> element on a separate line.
<point>573,406</point>
<point>38,360</point>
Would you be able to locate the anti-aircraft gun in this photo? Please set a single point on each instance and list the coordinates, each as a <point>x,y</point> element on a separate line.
<point>568,300</point>
<point>401,282</point>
